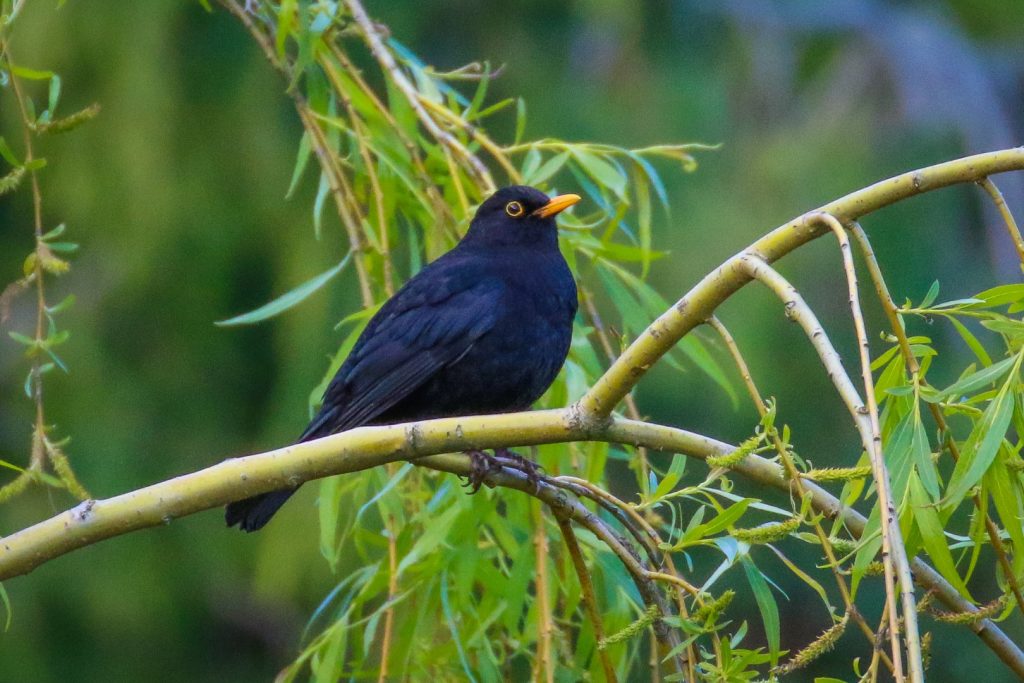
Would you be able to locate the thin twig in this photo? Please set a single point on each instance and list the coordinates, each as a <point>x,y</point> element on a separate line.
<point>482,139</point>
<point>38,454</point>
<point>41,448</point>
<point>387,62</point>
<point>361,135</point>
<point>341,193</point>
<point>587,298</point>
<point>1004,210</point>
<point>441,209</point>
<point>389,615</point>
<point>318,141</point>
<point>545,625</point>
<point>587,589</point>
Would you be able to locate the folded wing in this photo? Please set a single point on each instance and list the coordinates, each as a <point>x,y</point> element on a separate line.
<point>426,326</point>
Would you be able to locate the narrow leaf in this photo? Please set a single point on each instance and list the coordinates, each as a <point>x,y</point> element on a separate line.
<point>766,604</point>
<point>288,300</point>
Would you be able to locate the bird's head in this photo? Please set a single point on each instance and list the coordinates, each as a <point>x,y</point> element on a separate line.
<point>518,215</point>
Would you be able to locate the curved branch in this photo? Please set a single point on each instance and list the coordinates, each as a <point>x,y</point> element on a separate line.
<point>701,301</point>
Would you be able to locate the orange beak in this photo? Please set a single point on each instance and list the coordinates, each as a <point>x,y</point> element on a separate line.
<point>557,205</point>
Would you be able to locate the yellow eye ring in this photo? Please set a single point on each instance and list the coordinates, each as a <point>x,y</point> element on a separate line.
<point>514,209</point>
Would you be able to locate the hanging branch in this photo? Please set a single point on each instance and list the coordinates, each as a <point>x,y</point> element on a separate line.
<point>327,158</point>
<point>383,55</point>
<point>42,261</point>
<point>799,312</point>
<point>795,476</point>
<point>894,554</point>
<point>587,589</point>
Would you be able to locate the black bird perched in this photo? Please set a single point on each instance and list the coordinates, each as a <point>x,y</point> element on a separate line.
<point>483,329</point>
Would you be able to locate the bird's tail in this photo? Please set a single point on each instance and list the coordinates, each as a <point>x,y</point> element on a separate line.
<point>253,513</point>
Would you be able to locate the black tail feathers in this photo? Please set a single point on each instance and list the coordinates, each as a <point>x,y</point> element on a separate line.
<point>253,513</point>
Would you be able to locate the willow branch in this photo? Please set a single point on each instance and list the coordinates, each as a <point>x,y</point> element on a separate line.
<point>603,337</point>
<point>894,553</point>
<point>1004,211</point>
<point>38,273</point>
<point>587,590</point>
<point>366,447</point>
<point>387,62</point>
<point>898,329</point>
<point>545,665</point>
<point>798,311</point>
<point>318,141</point>
<point>794,475</point>
<point>702,300</point>
<point>42,448</point>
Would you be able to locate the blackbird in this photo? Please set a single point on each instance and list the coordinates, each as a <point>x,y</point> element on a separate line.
<point>483,329</point>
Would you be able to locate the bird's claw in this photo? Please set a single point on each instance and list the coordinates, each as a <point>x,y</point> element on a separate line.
<point>483,465</point>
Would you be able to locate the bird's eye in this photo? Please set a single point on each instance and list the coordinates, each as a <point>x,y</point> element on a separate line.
<point>514,209</point>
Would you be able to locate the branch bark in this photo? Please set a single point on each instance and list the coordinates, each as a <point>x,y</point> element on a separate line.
<point>366,447</point>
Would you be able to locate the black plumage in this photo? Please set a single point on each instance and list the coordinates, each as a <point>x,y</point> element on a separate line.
<point>483,329</point>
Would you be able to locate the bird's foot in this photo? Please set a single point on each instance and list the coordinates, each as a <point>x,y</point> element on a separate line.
<point>481,466</point>
<point>484,464</point>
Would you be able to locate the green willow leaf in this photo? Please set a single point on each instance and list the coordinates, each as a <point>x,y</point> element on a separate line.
<point>931,296</point>
<point>31,74</point>
<point>972,342</point>
<point>933,536</point>
<point>981,448</point>
<point>547,169</point>
<point>6,600</point>
<point>972,382</point>
<point>1005,489</point>
<point>8,154</point>
<point>288,300</point>
<point>436,531</point>
<point>520,120</point>
<point>602,171</point>
<point>723,521</point>
<point>1001,295</point>
<point>766,604</point>
<point>301,162</point>
<point>870,544</point>
<point>921,452</point>
<point>643,199</point>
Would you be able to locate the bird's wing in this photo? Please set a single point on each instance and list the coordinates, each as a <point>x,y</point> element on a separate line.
<point>430,323</point>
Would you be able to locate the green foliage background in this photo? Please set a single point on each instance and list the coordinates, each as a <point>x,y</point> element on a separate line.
<point>176,194</point>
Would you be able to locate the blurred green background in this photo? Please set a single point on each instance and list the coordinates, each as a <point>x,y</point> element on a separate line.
<point>176,193</point>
